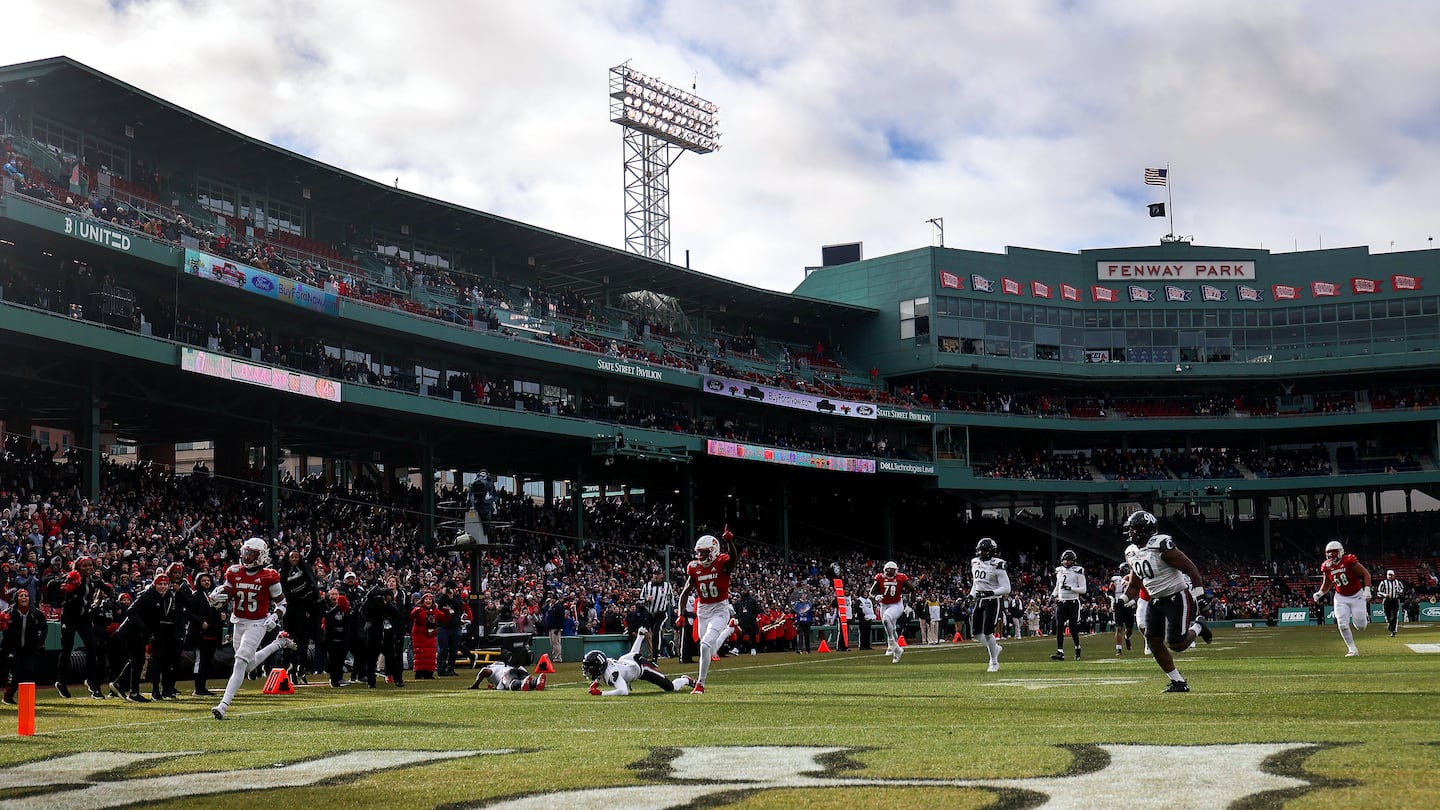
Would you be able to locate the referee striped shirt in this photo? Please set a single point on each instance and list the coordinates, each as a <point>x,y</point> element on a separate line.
<point>657,597</point>
<point>1390,588</point>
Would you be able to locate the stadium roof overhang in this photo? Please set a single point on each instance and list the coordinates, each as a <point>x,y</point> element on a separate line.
<point>108,105</point>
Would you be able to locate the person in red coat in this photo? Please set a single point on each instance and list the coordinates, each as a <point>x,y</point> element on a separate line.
<point>425,621</point>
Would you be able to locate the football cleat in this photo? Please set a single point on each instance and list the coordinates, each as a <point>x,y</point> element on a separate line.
<point>899,651</point>
<point>62,689</point>
<point>1177,686</point>
<point>1352,654</point>
<point>218,712</point>
<point>136,697</point>
<point>1058,656</point>
<point>1205,634</point>
<point>993,668</point>
<point>286,643</point>
<point>699,688</point>
<point>540,682</point>
<point>1119,652</point>
<point>1077,653</point>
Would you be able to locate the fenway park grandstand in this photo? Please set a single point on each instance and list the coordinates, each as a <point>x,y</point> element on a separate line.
<point>180,298</point>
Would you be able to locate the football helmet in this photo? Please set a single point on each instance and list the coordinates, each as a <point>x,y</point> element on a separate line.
<point>254,553</point>
<point>1140,526</point>
<point>986,548</point>
<point>891,569</point>
<point>1124,569</point>
<point>707,548</point>
<point>593,665</point>
<point>1068,557</point>
<point>1334,551</point>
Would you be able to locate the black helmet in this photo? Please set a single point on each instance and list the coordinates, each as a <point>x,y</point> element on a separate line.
<point>593,664</point>
<point>1140,526</point>
<point>1068,557</point>
<point>986,548</point>
<point>1124,569</point>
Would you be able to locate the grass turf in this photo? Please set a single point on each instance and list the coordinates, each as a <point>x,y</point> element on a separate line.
<point>936,715</point>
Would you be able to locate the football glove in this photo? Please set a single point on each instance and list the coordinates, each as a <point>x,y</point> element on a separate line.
<point>219,597</point>
<point>1366,593</point>
<point>1319,595</point>
<point>594,687</point>
<point>1197,591</point>
<point>271,621</point>
<point>679,621</point>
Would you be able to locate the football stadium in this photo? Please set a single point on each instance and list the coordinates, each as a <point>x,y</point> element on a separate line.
<point>470,446</point>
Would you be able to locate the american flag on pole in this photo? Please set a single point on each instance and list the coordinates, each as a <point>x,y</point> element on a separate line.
<point>1157,177</point>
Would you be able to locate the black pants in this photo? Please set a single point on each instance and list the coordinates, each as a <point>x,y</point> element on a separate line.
<point>689,647</point>
<point>392,646</point>
<point>1067,613</point>
<point>164,659</point>
<point>865,632</point>
<point>23,667</point>
<point>983,617</point>
<point>802,637</point>
<point>364,666</point>
<point>204,661</point>
<point>94,661</point>
<point>1392,614</point>
<point>335,660</point>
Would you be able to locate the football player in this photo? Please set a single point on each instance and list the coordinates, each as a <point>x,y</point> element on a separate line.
<point>989,584</point>
<point>889,588</point>
<point>508,679</point>
<point>619,672</point>
<point>1122,609</point>
<point>1069,589</point>
<point>1350,581</point>
<point>1172,621</point>
<point>258,606</point>
<point>708,576</point>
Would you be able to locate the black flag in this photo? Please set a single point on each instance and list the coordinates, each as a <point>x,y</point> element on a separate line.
<point>1157,209</point>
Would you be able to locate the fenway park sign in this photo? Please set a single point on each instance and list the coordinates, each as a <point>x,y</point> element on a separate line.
<point>1175,271</point>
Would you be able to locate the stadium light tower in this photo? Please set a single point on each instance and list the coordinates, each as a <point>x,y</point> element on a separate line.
<point>659,123</point>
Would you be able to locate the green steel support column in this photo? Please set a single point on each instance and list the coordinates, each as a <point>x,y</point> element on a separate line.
<point>1052,527</point>
<point>688,493</point>
<point>272,473</point>
<point>577,507</point>
<point>1261,505</point>
<point>785,522</point>
<point>888,515</point>
<point>90,441</point>
<point>427,493</point>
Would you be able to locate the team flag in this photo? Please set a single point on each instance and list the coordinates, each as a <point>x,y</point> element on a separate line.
<point>1250,293</point>
<point>1324,288</point>
<point>1365,285</point>
<point>1173,293</point>
<point>1010,286</point>
<point>1104,294</point>
<point>1405,282</point>
<point>950,280</point>
<point>979,283</point>
<point>1284,292</point>
<point>1069,293</point>
<point>1040,289</point>
<point>1209,293</point>
<point>1138,293</point>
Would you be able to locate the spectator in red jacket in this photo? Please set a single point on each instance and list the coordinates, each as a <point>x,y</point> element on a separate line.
<point>425,621</point>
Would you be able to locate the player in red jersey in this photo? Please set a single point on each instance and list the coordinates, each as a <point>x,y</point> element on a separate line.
<point>258,605</point>
<point>889,589</point>
<point>1350,581</point>
<point>708,576</point>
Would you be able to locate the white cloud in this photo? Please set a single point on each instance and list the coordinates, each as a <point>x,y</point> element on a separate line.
<point>1283,122</point>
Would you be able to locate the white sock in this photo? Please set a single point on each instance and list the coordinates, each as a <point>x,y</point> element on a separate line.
<point>1345,634</point>
<point>706,653</point>
<point>993,647</point>
<point>1174,675</point>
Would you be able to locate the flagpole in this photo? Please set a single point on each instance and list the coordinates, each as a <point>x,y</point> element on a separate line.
<point>1169,202</point>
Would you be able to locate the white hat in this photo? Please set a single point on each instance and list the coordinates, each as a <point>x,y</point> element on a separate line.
<point>1390,572</point>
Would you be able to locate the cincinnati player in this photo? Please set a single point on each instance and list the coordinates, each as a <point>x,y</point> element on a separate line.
<point>258,606</point>
<point>708,576</point>
<point>1167,575</point>
<point>889,589</point>
<point>1350,581</point>
<point>508,679</point>
<point>1122,609</point>
<point>1141,603</point>
<point>989,584</point>
<point>1069,590</point>
<point>619,672</point>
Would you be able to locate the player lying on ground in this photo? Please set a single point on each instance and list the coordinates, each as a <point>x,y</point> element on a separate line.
<point>619,672</point>
<point>508,679</point>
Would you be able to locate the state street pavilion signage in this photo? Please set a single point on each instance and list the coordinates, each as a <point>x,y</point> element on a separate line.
<point>233,274</point>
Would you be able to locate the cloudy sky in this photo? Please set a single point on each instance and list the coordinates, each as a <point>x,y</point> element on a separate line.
<point>1023,123</point>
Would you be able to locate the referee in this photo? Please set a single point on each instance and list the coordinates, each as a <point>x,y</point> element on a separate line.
<point>658,596</point>
<point>1390,590</point>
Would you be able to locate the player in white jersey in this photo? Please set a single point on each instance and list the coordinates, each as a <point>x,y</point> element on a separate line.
<point>1122,609</point>
<point>989,584</point>
<point>1069,589</point>
<point>620,672</point>
<point>1168,576</point>
<point>508,679</point>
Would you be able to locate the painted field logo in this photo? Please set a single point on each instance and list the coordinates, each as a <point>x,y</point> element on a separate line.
<point>88,780</point>
<point>1249,775</point>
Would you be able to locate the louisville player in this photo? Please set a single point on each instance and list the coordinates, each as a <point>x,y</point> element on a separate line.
<point>1172,620</point>
<point>258,605</point>
<point>708,576</point>
<point>989,584</point>
<point>889,589</point>
<point>508,679</point>
<point>1350,581</point>
<point>620,672</point>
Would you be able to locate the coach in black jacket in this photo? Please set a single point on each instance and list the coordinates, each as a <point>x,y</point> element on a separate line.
<point>24,642</point>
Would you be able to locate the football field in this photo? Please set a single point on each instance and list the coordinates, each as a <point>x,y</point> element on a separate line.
<point>1276,718</point>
